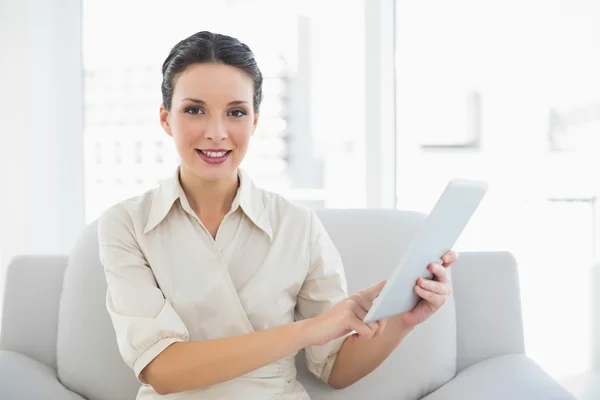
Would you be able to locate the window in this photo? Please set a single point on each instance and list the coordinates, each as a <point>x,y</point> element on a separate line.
<point>309,139</point>
<point>508,92</point>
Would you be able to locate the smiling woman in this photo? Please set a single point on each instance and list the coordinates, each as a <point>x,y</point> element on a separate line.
<point>207,273</point>
<point>212,89</point>
<point>209,82</point>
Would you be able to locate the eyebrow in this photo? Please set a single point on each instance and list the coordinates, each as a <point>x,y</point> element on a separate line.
<point>202,102</point>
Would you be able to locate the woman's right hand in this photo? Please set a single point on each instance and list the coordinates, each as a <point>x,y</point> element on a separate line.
<point>347,316</point>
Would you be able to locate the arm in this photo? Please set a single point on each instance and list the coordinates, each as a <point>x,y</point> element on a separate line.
<point>336,358</point>
<point>323,300</point>
<point>358,358</point>
<point>359,353</point>
<point>152,338</point>
<point>193,365</point>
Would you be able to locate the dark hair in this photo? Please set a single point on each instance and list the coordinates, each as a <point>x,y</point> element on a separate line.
<point>207,47</point>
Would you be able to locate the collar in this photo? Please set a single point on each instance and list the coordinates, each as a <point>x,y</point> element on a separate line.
<point>249,198</point>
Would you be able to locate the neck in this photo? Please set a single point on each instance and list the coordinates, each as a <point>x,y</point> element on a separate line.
<point>208,198</point>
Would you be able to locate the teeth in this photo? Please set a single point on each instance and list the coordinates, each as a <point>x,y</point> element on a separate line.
<point>214,154</point>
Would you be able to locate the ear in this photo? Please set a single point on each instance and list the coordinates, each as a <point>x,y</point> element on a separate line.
<point>255,122</point>
<point>164,120</point>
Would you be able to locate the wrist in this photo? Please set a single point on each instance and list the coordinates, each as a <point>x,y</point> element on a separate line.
<point>303,331</point>
<point>399,323</point>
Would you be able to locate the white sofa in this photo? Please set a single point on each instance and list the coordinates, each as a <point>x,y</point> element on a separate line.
<point>57,341</point>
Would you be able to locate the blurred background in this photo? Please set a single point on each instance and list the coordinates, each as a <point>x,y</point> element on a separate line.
<point>366,104</point>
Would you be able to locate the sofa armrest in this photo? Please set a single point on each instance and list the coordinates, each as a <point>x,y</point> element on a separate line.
<point>24,378</point>
<point>488,307</point>
<point>30,306</point>
<point>513,377</point>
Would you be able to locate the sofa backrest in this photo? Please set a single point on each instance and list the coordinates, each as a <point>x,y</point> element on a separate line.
<point>29,311</point>
<point>88,359</point>
<point>370,242</point>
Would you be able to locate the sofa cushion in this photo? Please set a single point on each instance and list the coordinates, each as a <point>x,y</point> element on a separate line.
<point>88,359</point>
<point>371,243</point>
<point>512,377</point>
<point>23,378</point>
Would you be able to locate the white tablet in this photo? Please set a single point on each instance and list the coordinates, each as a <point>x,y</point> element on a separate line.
<point>437,235</point>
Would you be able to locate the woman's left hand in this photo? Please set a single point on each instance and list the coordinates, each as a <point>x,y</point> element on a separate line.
<point>433,292</point>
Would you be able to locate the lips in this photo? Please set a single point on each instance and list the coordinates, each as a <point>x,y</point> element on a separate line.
<point>213,156</point>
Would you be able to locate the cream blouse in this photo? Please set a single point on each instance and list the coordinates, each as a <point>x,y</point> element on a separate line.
<point>169,281</point>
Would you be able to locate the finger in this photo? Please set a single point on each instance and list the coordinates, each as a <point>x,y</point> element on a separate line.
<point>434,286</point>
<point>372,291</point>
<point>434,299</point>
<point>374,326</point>
<point>439,272</point>
<point>363,330</point>
<point>380,327</point>
<point>449,258</point>
<point>358,311</point>
<point>364,302</point>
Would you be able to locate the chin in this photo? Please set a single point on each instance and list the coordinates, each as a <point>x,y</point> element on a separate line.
<point>214,173</point>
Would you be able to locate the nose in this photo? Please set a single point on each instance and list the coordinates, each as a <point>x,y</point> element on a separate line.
<point>215,130</point>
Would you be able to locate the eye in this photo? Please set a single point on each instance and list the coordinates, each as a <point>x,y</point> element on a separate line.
<point>193,110</point>
<point>237,113</point>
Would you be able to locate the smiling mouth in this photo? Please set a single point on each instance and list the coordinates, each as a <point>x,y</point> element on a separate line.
<point>214,154</point>
<point>213,157</point>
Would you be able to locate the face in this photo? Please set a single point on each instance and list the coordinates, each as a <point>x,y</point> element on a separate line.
<point>211,119</point>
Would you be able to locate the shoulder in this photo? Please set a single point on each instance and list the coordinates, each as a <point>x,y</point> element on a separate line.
<point>288,213</point>
<point>284,206</point>
<point>129,214</point>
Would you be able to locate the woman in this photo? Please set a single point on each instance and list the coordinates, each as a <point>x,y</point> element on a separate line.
<point>215,284</point>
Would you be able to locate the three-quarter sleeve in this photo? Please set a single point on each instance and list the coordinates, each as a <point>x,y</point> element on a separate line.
<point>325,286</point>
<point>145,323</point>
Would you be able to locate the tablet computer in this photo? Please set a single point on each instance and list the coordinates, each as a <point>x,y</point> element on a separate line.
<point>436,236</point>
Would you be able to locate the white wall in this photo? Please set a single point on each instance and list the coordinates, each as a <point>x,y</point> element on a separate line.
<point>41,140</point>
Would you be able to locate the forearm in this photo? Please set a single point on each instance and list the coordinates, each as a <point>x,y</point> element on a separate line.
<point>193,365</point>
<point>356,358</point>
